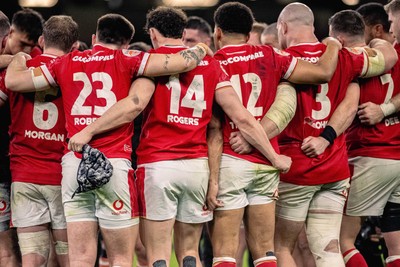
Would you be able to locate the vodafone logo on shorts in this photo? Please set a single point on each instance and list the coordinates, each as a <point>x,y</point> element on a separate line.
<point>118,205</point>
<point>3,205</point>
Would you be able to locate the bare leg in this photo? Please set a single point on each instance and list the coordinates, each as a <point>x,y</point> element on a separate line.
<point>82,251</point>
<point>187,239</point>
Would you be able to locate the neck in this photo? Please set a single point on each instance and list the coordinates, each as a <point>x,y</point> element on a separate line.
<point>170,42</point>
<point>233,39</point>
<point>358,43</point>
<point>110,46</point>
<point>302,34</point>
<point>53,51</point>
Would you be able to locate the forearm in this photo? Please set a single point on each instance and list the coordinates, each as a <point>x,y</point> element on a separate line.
<point>281,111</point>
<point>183,61</point>
<point>254,133</point>
<point>5,60</point>
<point>214,142</point>
<point>18,77</point>
<point>328,63</point>
<point>344,114</point>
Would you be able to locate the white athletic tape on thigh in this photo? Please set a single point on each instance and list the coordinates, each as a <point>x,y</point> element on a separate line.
<point>35,242</point>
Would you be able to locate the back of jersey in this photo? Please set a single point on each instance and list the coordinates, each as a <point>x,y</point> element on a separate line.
<point>381,140</point>
<point>176,119</point>
<point>255,72</point>
<point>315,106</point>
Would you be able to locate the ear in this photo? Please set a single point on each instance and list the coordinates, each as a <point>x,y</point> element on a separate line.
<point>218,33</point>
<point>94,37</point>
<point>184,34</point>
<point>340,39</point>
<point>377,31</point>
<point>41,41</point>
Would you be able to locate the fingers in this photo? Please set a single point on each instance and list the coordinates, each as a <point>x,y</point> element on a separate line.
<point>214,203</point>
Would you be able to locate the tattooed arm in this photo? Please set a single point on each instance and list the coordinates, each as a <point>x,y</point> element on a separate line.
<point>185,60</point>
<point>124,111</point>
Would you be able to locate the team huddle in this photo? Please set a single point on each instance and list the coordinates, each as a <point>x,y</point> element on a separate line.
<point>278,137</point>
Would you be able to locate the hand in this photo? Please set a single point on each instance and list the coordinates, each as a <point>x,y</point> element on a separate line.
<point>314,146</point>
<point>282,163</point>
<point>239,144</point>
<point>212,201</point>
<point>23,54</point>
<point>77,141</point>
<point>332,41</point>
<point>370,113</point>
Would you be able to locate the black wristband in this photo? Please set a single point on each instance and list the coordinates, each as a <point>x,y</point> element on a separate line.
<point>329,134</point>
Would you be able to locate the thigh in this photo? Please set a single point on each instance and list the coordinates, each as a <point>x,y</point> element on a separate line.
<point>82,243</point>
<point>294,201</point>
<point>193,175</point>
<point>5,206</point>
<point>234,178</point>
<point>28,205</point>
<point>81,207</point>
<point>373,183</point>
<point>52,194</point>
<point>116,201</point>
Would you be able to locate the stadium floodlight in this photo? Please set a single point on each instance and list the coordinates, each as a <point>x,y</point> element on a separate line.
<point>351,2</point>
<point>190,3</point>
<point>37,3</point>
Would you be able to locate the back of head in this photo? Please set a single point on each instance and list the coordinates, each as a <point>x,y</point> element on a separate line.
<point>169,21</point>
<point>30,22</point>
<point>114,29</point>
<point>393,6</point>
<point>197,23</point>
<point>297,13</point>
<point>348,22</point>
<point>4,25</point>
<point>271,29</point>
<point>258,27</point>
<point>373,14</point>
<point>60,32</point>
<point>234,17</point>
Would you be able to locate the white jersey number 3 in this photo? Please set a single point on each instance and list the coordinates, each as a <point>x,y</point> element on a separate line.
<point>105,92</point>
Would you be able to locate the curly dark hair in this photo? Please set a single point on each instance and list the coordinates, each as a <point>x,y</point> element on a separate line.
<point>30,22</point>
<point>169,21</point>
<point>347,21</point>
<point>234,17</point>
<point>114,29</point>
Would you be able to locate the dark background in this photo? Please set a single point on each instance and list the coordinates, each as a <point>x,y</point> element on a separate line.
<point>86,12</point>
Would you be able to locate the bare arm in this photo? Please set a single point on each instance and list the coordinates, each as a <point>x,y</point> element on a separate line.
<point>214,142</point>
<point>5,60</point>
<point>124,111</point>
<point>388,52</point>
<point>249,127</point>
<point>183,61</point>
<point>20,79</point>
<point>275,120</point>
<point>322,71</point>
<point>341,119</point>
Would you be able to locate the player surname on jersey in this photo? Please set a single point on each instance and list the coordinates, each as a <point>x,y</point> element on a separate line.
<point>234,59</point>
<point>182,120</point>
<point>44,135</point>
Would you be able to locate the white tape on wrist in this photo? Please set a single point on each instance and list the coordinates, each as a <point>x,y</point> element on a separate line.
<point>39,81</point>
<point>387,108</point>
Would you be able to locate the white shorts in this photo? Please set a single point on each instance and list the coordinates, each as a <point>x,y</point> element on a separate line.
<point>114,205</point>
<point>5,210</point>
<point>33,204</point>
<point>243,183</point>
<point>174,189</point>
<point>295,201</point>
<point>375,181</point>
